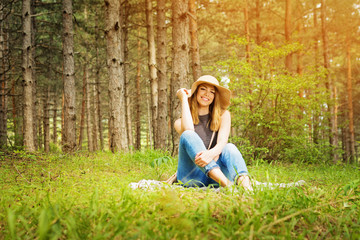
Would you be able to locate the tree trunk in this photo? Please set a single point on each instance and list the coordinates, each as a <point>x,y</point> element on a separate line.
<point>333,128</point>
<point>258,26</point>
<point>288,58</point>
<point>88,111</point>
<point>115,64</point>
<point>97,87</point>
<point>350,102</point>
<point>69,132</point>
<point>138,98</point>
<point>247,32</point>
<point>316,117</point>
<point>36,124</point>
<point>127,87</point>
<point>28,83</point>
<point>152,69</point>
<point>39,119</point>
<point>55,119</point>
<point>47,119</point>
<point>82,118</point>
<point>3,80</point>
<point>180,63</point>
<point>162,131</point>
<point>195,51</point>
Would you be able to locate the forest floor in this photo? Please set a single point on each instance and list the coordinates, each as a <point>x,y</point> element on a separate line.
<point>87,196</point>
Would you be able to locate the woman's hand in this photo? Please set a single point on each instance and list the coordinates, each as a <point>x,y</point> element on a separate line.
<point>183,93</point>
<point>204,157</point>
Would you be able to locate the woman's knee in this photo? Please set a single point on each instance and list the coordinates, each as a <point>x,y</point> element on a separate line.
<point>231,148</point>
<point>187,134</point>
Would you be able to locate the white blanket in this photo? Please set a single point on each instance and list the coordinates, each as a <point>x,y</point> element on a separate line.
<point>153,184</point>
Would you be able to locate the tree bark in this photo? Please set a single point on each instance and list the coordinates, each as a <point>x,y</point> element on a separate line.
<point>89,126</point>
<point>3,80</point>
<point>127,87</point>
<point>36,124</point>
<point>46,120</point>
<point>55,119</point>
<point>28,83</point>
<point>98,87</point>
<point>350,102</point>
<point>316,50</point>
<point>115,64</point>
<point>332,119</point>
<point>195,51</point>
<point>162,131</point>
<point>138,98</point>
<point>180,63</point>
<point>152,70</point>
<point>258,26</point>
<point>82,117</point>
<point>69,132</point>
<point>288,58</point>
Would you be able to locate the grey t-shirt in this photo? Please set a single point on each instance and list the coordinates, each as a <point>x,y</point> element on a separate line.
<point>203,130</point>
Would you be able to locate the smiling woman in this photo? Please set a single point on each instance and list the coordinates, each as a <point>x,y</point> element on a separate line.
<point>205,156</point>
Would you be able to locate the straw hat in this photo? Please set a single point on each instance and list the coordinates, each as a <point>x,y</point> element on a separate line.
<point>224,93</point>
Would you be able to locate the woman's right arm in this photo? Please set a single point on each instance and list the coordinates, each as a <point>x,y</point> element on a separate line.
<point>185,122</point>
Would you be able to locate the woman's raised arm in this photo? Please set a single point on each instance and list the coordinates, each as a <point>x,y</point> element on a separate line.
<point>185,122</point>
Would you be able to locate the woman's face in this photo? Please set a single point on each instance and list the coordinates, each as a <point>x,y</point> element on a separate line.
<point>205,95</point>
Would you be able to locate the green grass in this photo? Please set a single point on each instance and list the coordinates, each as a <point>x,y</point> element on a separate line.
<point>86,196</point>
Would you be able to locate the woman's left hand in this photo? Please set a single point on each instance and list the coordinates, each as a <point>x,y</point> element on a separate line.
<point>203,158</point>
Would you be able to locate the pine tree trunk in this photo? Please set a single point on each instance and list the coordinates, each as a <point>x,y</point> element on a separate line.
<point>82,118</point>
<point>138,98</point>
<point>28,83</point>
<point>3,80</point>
<point>39,120</point>
<point>258,26</point>
<point>115,63</point>
<point>180,63</point>
<point>247,32</point>
<point>94,118</point>
<point>152,69</point>
<point>127,87</point>
<point>162,131</point>
<point>195,51</point>
<point>55,119</point>
<point>332,123</point>
<point>288,58</point>
<point>350,102</point>
<point>36,124</point>
<point>47,120</point>
<point>69,131</point>
<point>88,111</point>
<point>316,117</point>
<point>98,88</point>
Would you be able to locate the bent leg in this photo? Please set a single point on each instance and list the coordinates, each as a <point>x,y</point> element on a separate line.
<point>188,172</point>
<point>232,163</point>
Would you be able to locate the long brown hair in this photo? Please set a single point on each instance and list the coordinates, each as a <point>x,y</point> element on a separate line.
<point>214,109</point>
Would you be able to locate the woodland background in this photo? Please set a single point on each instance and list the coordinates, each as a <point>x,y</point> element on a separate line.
<point>101,75</point>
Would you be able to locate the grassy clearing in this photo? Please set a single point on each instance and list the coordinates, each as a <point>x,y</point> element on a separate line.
<point>86,196</point>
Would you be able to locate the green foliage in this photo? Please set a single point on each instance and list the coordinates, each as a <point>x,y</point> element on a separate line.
<point>86,196</point>
<point>273,110</point>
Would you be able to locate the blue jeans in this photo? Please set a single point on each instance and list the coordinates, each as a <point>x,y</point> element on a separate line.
<point>230,162</point>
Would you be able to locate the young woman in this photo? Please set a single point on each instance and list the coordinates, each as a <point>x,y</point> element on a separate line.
<point>205,156</point>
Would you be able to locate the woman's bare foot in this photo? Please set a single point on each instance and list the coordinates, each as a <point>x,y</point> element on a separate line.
<point>245,182</point>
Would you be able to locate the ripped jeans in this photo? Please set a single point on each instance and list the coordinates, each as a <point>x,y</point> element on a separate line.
<point>230,162</point>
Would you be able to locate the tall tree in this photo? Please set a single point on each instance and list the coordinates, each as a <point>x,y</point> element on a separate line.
<point>115,64</point>
<point>288,58</point>
<point>3,79</point>
<point>69,132</point>
<point>138,98</point>
<point>27,77</point>
<point>194,49</point>
<point>161,73</point>
<point>89,126</point>
<point>152,69</point>
<point>333,136</point>
<point>180,63</point>
<point>350,101</point>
